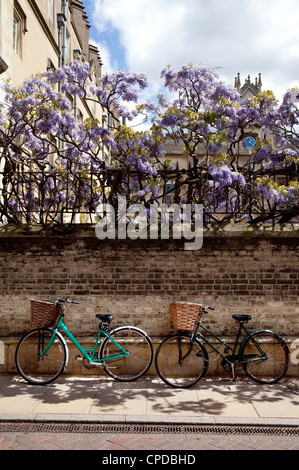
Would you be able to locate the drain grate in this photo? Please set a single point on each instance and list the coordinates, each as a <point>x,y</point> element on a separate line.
<point>46,427</point>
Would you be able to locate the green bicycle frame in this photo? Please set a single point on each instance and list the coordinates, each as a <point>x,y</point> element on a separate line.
<point>91,356</point>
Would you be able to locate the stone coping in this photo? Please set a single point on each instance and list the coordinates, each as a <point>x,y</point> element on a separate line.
<point>88,231</point>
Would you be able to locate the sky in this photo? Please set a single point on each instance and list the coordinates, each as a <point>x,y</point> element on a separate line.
<point>232,36</point>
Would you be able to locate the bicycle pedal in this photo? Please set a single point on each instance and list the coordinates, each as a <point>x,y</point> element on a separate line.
<point>78,358</point>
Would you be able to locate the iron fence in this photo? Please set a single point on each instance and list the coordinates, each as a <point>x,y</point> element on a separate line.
<point>49,195</point>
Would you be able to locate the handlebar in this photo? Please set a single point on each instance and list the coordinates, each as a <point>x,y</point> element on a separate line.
<point>67,301</point>
<point>204,309</point>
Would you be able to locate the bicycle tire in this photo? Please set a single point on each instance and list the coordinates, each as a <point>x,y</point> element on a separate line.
<point>268,370</point>
<point>134,341</point>
<point>37,369</point>
<point>187,373</point>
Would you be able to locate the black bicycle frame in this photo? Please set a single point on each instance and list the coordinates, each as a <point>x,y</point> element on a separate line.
<point>197,335</point>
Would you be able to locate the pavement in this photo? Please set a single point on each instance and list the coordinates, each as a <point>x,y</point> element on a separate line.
<point>148,400</point>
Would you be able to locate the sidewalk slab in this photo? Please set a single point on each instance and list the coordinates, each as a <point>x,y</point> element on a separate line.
<point>171,403</point>
<point>129,402</point>
<point>274,403</point>
<point>226,401</point>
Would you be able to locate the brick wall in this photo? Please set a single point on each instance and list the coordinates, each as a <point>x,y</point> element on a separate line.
<point>251,273</point>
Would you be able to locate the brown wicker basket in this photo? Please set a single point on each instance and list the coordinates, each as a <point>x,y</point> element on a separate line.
<point>184,314</point>
<point>43,313</point>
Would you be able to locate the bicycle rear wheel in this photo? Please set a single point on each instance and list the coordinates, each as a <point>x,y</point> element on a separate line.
<point>139,347</point>
<point>37,368</point>
<point>267,357</point>
<point>170,367</point>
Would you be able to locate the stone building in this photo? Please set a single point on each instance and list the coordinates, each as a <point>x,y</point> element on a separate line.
<point>41,35</point>
<point>249,88</point>
<point>36,36</point>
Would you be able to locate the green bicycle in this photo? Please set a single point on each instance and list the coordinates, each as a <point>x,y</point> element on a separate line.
<point>125,353</point>
<point>182,359</point>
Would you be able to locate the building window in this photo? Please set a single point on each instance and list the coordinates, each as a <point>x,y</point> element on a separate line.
<point>68,46</point>
<point>50,66</point>
<point>169,193</point>
<point>19,27</point>
<point>16,34</point>
<point>79,115</point>
<point>51,10</point>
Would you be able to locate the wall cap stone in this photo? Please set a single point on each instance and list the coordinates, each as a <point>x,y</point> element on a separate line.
<point>88,231</point>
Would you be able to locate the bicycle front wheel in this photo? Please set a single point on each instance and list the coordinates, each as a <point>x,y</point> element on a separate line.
<point>176,371</point>
<point>35,367</point>
<point>139,353</point>
<point>265,356</point>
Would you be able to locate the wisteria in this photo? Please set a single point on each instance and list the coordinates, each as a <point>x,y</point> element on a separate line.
<point>54,166</point>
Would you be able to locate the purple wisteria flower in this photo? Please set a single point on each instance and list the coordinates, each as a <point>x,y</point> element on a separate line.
<point>52,161</point>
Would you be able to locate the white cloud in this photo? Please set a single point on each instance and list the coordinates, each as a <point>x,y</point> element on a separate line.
<point>236,35</point>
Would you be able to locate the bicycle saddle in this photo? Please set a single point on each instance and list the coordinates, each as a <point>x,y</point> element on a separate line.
<point>242,317</point>
<point>105,318</point>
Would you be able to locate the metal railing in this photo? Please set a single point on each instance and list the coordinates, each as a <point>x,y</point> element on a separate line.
<point>48,195</point>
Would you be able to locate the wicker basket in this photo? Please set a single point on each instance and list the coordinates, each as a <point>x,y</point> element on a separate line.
<point>43,313</point>
<point>184,314</point>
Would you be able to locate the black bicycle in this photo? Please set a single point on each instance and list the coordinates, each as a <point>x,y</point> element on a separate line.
<point>182,359</point>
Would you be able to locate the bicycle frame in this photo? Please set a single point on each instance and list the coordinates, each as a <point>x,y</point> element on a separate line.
<point>88,354</point>
<point>233,350</point>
